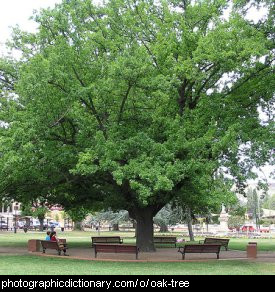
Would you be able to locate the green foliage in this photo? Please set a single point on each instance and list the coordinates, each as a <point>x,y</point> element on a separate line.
<point>167,216</point>
<point>111,217</point>
<point>238,209</point>
<point>269,202</point>
<point>35,210</point>
<point>77,214</point>
<point>254,204</point>
<point>40,212</point>
<point>236,221</point>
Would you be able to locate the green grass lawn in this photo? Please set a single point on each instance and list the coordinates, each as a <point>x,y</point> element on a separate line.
<point>35,265</point>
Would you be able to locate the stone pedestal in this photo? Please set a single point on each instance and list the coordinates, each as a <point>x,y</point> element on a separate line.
<point>33,245</point>
<point>251,250</point>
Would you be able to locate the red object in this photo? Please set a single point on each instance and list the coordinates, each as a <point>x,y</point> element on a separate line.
<point>248,228</point>
<point>251,250</point>
<point>264,230</point>
<point>53,238</point>
<point>34,245</point>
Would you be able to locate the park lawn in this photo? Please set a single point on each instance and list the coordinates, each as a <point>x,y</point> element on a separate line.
<point>264,244</point>
<point>74,238</point>
<point>35,265</point>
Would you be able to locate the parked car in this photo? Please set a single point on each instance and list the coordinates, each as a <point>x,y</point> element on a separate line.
<point>264,230</point>
<point>3,224</point>
<point>54,224</point>
<point>248,228</point>
<point>20,224</point>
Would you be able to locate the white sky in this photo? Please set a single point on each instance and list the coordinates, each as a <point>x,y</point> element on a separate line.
<point>14,12</point>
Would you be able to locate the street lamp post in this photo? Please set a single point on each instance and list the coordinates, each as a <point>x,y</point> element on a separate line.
<point>15,218</point>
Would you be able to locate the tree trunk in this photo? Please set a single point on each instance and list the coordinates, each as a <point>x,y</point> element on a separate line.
<point>163,228</point>
<point>41,224</point>
<point>28,222</point>
<point>115,227</point>
<point>189,223</point>
<point>78,226</point>
<point>190,230</point>
<point>145,229</point>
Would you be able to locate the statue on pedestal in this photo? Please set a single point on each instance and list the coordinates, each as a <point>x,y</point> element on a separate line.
<point>223,220</point>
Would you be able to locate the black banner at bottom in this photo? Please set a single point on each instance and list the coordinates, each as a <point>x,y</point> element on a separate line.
<point>44,283</point>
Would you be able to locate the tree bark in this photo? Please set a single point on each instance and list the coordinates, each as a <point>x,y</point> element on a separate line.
<point>41,224</point>
<point>28,222</point>
<point>145,229</point>
<point>163,228</point>
<point>189,223</point>
<point>78,226</point>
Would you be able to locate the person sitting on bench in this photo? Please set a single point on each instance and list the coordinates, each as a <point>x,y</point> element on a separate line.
<point>55,238</point>
<point>48,236</point>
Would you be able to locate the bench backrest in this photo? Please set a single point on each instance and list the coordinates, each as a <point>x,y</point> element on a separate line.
<point>115,248</point>
<point>222,241</point>
<point>197,248</point>
<point>49,244</point>
<point>106,239</point>
<point>165,238</point>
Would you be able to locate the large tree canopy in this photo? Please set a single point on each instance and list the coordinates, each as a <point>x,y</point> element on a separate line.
<point>133,103</point>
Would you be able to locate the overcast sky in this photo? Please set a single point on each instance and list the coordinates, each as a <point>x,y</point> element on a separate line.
<point>14,12</point>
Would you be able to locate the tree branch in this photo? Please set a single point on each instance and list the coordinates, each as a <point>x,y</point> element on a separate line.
<point>90,106</point>
<point>123,103</point>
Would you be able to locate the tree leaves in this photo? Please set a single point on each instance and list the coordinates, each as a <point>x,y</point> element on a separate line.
<point>136,102</point>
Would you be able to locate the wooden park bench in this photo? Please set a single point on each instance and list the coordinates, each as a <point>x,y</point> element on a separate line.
<point>200,248</point>
<point>212,240</point>
<point>166,239</point>
<point>47,244</point>
<point>106,239</point>
<point>115,248</point>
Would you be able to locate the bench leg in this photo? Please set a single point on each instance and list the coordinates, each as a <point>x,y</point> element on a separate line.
<point>44,249</point>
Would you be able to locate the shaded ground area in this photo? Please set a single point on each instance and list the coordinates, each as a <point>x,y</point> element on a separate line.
<point>161,255</point>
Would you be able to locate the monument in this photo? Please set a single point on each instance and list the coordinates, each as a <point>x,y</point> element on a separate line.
<point>223,220</point>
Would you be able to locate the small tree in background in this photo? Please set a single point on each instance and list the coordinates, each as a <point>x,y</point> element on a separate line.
<point>37,210</point>
<point>165,217</point>
<point>236,222</point>
<point>77,214</point>
<point>254,206</point>
<point>114,218</point>
<point>269,202</point>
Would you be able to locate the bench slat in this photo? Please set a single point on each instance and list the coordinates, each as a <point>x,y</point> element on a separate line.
<point>47,244</point>
<point>222,241</point>
<point>115,248</point>
<point>165,239</point>
<point>106,239</point>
